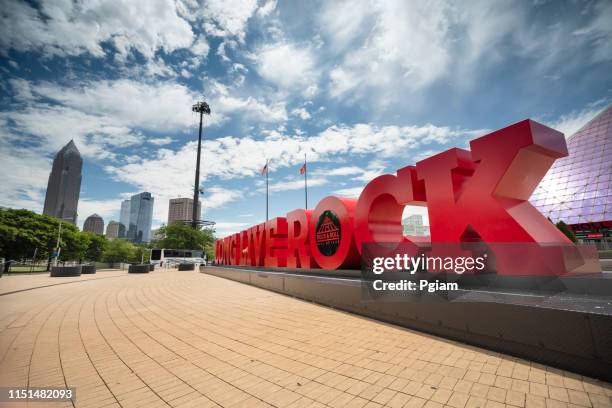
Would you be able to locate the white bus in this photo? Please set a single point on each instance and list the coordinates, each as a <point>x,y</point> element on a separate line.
<point>172,257</point>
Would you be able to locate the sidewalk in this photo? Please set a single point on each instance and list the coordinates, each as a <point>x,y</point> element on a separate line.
<point>185,339</point>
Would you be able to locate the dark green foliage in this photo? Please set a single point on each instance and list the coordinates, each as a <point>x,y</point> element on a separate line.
<point>22,231</point>
<point>183,236</point>
<point>119,250</point>
<point>565,229</point>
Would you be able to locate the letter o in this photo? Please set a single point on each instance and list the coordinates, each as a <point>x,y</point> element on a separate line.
<point>331,234</point>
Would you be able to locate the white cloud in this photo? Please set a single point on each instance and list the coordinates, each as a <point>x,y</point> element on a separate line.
<point>95,113</point>
<point>301,112</point>
<point>296,184</point>
<point>225,228</point>
<point>267,8</point>
<point>160,141</point>
<point>289,66</point>
<point>572,122</point>
<point>200,48</point>
<point>393,48</point>
<point>169,172</point>
<point>351,192</point>
<point>24,176</point>
<point>385,44</point>
<point>217,196</point>
<point>340,171</point>
<point>228,17</point>
<point>599,32</point>
<point>69,28</point>
<point>160,106</point>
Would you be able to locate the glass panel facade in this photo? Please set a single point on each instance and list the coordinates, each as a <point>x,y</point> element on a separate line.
<point>578,188</point>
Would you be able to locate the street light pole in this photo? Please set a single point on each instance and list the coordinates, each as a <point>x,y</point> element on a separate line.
<point>203,109</point>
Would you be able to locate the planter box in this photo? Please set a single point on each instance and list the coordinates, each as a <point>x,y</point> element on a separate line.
<point>186,267</point>
<point>64,271</point>
<point>88,269</point>
<point>143,268</point>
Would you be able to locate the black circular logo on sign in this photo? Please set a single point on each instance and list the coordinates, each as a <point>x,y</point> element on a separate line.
<point>328,233</point>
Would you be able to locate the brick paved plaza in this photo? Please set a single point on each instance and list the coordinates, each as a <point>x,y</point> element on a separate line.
<point>185,339</point>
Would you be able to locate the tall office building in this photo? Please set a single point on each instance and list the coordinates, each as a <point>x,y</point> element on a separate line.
<point>181,210</point>
<point>94,223</point>
<point>124,217</point>
<point>114,230</point>
<point>141,216</point>
<point>578,188</point>
<point>64,186</point>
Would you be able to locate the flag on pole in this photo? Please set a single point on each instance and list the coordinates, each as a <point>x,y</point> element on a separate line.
<point>303,168</point>
<point>264,170</point>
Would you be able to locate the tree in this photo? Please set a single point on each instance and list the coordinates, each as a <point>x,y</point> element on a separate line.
<point>141,254</point>
<point>183,236</point>
<point>23,231</point>
<point>119,250</point>
<point>96,244</point>
<point>565,229</point>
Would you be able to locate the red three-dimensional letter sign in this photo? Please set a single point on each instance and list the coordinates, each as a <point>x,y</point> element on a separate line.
<point>298,245</point>
<point>378,215</point>
<point>235,249</point>
<point>276,242</point>
<point>257,237</point>
<point>331,234</point>
<point>245,248</point>
<point>226,251</point>
<point>482,194</point>
<point>219,251</point>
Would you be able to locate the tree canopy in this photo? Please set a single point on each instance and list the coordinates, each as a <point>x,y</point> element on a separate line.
<point>22,232</point>
<point>183,236</point>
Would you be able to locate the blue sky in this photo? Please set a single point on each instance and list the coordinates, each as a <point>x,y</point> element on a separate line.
<point>361,87</point>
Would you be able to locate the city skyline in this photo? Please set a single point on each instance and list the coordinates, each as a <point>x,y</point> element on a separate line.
<point>362,93</point>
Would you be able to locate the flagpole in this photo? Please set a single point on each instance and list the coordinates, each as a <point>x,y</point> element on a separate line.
<point>305,182</point>
<point>267,171</point>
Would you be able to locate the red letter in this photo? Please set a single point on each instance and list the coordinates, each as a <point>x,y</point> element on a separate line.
<point>331,234</point>
<point>257,237</point>
<point>298,243</point>
<point>235,249</point>
<point>245,248</point>
<point>482,194</point>
<point>226,251</point>
<point>276,242</point>
<point>378,216</point>
<point>219,251</point>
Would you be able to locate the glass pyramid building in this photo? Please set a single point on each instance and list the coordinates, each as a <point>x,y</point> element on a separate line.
<point>578,188</point>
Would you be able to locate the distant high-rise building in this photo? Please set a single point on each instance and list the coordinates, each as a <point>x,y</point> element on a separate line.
<point>94,223</point>
<point>114,230</point>
<point>413,225</point>
<point>64,186</point>
<point>181,210</point>
<point>141,216</point>
<point>124,218</point>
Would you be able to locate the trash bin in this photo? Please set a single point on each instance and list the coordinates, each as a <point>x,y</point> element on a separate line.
<point>139,268</point>
<point>88,269</point>
<point>65,271</point>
